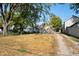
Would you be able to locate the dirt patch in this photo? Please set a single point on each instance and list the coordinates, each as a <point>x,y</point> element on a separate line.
<point>72,45</point>
<point>62,48</point>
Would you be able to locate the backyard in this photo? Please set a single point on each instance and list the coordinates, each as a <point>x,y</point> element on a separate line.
<point>37,45</point>
<point>39,29</point>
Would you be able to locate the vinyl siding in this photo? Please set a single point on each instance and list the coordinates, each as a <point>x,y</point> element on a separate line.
<point>74,30</point>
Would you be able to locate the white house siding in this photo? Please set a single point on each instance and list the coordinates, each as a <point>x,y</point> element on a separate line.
<point>71,21</point>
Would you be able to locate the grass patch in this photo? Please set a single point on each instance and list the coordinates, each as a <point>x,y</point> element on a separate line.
<point>76,39</point>
<point>73,37</point>
<point>21,50</point>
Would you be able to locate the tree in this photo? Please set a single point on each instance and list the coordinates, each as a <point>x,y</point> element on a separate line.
<point>20,24</point>
<point>0,23</point>
<point>6,13</point>
<point>56,22</point>
<point>33,12</point>
<point>30,12</point>
<point>75,7</point>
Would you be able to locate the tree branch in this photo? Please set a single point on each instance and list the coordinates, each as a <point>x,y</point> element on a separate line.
<point>2,13</point>
<point>11,10</point>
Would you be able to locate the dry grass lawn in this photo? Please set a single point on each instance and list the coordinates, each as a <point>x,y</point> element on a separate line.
<point>31,44</point>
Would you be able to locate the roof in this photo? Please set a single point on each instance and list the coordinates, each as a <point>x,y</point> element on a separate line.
<point>74,24</point>
<point>71,21</point>
<point>73,16</point>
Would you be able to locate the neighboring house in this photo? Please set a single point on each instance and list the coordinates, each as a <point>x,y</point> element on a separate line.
<point>45,28</point>
<point>28,29</point>
<point>31,29</point>
<point>48,28</point>
<point>71,26</point>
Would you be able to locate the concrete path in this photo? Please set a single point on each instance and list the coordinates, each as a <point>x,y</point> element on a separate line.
<point>62,47</point>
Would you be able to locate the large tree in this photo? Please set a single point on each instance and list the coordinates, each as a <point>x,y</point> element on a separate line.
<point>31,12</point>
<point>56,22</point>
<point>6,13</point>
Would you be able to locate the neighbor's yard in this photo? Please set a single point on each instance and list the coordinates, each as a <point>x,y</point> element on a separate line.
<point>32,44</point>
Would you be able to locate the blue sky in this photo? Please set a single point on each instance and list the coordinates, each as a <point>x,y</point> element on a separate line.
<point>63,11</point>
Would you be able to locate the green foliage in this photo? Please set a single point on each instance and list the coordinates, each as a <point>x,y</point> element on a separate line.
<point>29,14</point>
<point>75,7</point>
<point>33,12</point>
<point>0,23</point>
<point>22,15</point>
<point>55,22</point>
<point>21,50</point>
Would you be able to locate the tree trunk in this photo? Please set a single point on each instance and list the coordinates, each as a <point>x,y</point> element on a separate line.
<point>21,29</point>
<point>5,28</point>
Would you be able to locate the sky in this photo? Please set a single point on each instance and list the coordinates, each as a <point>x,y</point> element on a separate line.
<point>63,11</point>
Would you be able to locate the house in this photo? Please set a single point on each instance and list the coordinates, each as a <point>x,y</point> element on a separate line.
<point>46,28</point>
<point>28,29</point>
<point>71,26</point>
